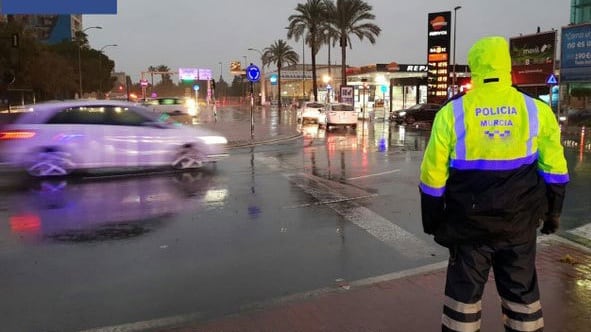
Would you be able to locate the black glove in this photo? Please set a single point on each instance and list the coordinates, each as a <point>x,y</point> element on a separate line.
<point>432,212</point>
<point>551,223</point>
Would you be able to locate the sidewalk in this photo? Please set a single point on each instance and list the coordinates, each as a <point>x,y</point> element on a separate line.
<point>402,302</point>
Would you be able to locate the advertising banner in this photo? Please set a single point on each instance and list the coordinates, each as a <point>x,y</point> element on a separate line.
<point>438,47</point>
<point>532,58</point>
<point>40,7</point>
<point>347,94</point>
<point>575,63</point>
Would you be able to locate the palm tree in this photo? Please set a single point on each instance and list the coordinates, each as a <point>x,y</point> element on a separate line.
<point>279,53</point>
<point>306,24</point>
<point>349,17</point>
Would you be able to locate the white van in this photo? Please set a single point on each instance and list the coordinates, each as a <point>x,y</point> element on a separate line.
<point>339,114</point>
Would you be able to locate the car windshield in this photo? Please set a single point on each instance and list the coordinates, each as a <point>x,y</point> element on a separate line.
<point>314,105</point>
<point>415,107</point>
<point>342,107</point>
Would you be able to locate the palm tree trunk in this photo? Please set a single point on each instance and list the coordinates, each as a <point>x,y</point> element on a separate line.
<point>279,91</point>
<point>314,82</point>
<point>344,65</point>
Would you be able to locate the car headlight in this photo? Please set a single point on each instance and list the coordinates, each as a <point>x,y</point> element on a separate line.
<point>562,118</point>
<point>214,140</point>
<point>401,113</point>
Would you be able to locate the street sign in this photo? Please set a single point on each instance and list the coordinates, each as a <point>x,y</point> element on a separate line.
<point>273,79</point>
<point>144,82</point>
<point>253,73</point>
<point>552,80</point>
<point>384,88</point>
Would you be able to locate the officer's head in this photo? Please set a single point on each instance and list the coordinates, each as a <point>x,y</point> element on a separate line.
<point>490,61</point>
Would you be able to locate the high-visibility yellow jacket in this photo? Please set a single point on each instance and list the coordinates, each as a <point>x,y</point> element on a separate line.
<point>493,156</point>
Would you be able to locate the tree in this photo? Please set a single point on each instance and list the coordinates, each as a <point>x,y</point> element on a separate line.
<point>349,17</point>
<point>306,24</point>
<point>52,77</point>
<point>279,53</point>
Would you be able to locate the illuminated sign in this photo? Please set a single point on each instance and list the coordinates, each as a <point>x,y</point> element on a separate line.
<point>194,74</point>
<point>414,68</point>
<point>39,7</point>
<point>188,74</point>
<point>575,58</point>
<point>438,43</point>
<point>532,58</point>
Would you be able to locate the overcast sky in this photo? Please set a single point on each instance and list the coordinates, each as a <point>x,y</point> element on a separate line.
<point>203,33</point>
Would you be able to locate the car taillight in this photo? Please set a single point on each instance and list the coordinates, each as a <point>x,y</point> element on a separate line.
<point>16,134</point>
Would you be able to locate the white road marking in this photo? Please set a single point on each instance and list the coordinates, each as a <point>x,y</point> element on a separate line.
<point>406,243</point>
<point>375,174</point>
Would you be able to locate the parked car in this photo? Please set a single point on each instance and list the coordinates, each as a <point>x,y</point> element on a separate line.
<point>172,105</point>
<point>419,112</point>
<point>338,114</point>
<point>56,138</point>
<point>309,112</point>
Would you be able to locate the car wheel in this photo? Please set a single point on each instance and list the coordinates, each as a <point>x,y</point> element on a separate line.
<point>187,157</point>
<point>50,162</point>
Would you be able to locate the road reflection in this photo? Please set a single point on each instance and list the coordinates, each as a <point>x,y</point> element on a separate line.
<point>106,209</point>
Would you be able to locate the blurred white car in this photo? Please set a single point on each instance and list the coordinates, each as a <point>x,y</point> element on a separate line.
<point>172,105</point>
<point>54,139</point>
<point>338,114</point>
<point>309,112</point>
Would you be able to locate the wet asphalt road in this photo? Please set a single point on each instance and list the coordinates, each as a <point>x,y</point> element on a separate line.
<point>268,222</point>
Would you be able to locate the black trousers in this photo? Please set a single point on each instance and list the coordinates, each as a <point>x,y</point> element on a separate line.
<point>515,277</point>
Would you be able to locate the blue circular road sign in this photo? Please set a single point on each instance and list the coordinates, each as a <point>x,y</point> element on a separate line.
<point>253,73</point>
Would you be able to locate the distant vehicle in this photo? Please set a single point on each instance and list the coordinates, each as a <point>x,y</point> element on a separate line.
<point>57,138</point>
<point>419,112</point>
<point>309,112</point>
<point>172,105</point>
<point>338,114</point>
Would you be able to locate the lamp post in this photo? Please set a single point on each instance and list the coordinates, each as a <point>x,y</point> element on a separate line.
<point>263,82</point>
<point>80,58</point>
<point>101,65</point>
<point>453,81</point>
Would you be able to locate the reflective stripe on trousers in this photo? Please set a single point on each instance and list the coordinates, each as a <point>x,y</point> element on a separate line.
<point>516,282</point>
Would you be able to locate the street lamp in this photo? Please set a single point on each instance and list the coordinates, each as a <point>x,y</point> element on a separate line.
<point>454,52</point>
<point>101,65</point>
<point>80,59</point>
<point>263,82</point>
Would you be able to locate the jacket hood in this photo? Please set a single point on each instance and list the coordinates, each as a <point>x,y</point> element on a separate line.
<point>490,61</point>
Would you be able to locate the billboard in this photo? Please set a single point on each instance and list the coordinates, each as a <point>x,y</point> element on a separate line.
<point>347,94</point>
<point>39,7</point>
<point>575,55</point>
<point>438,47</point>
<point>532,58</point>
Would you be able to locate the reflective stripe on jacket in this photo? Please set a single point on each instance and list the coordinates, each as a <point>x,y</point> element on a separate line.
<point>473,133</point>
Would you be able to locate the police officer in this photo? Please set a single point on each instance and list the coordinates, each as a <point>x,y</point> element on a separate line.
<point>493,168</point>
